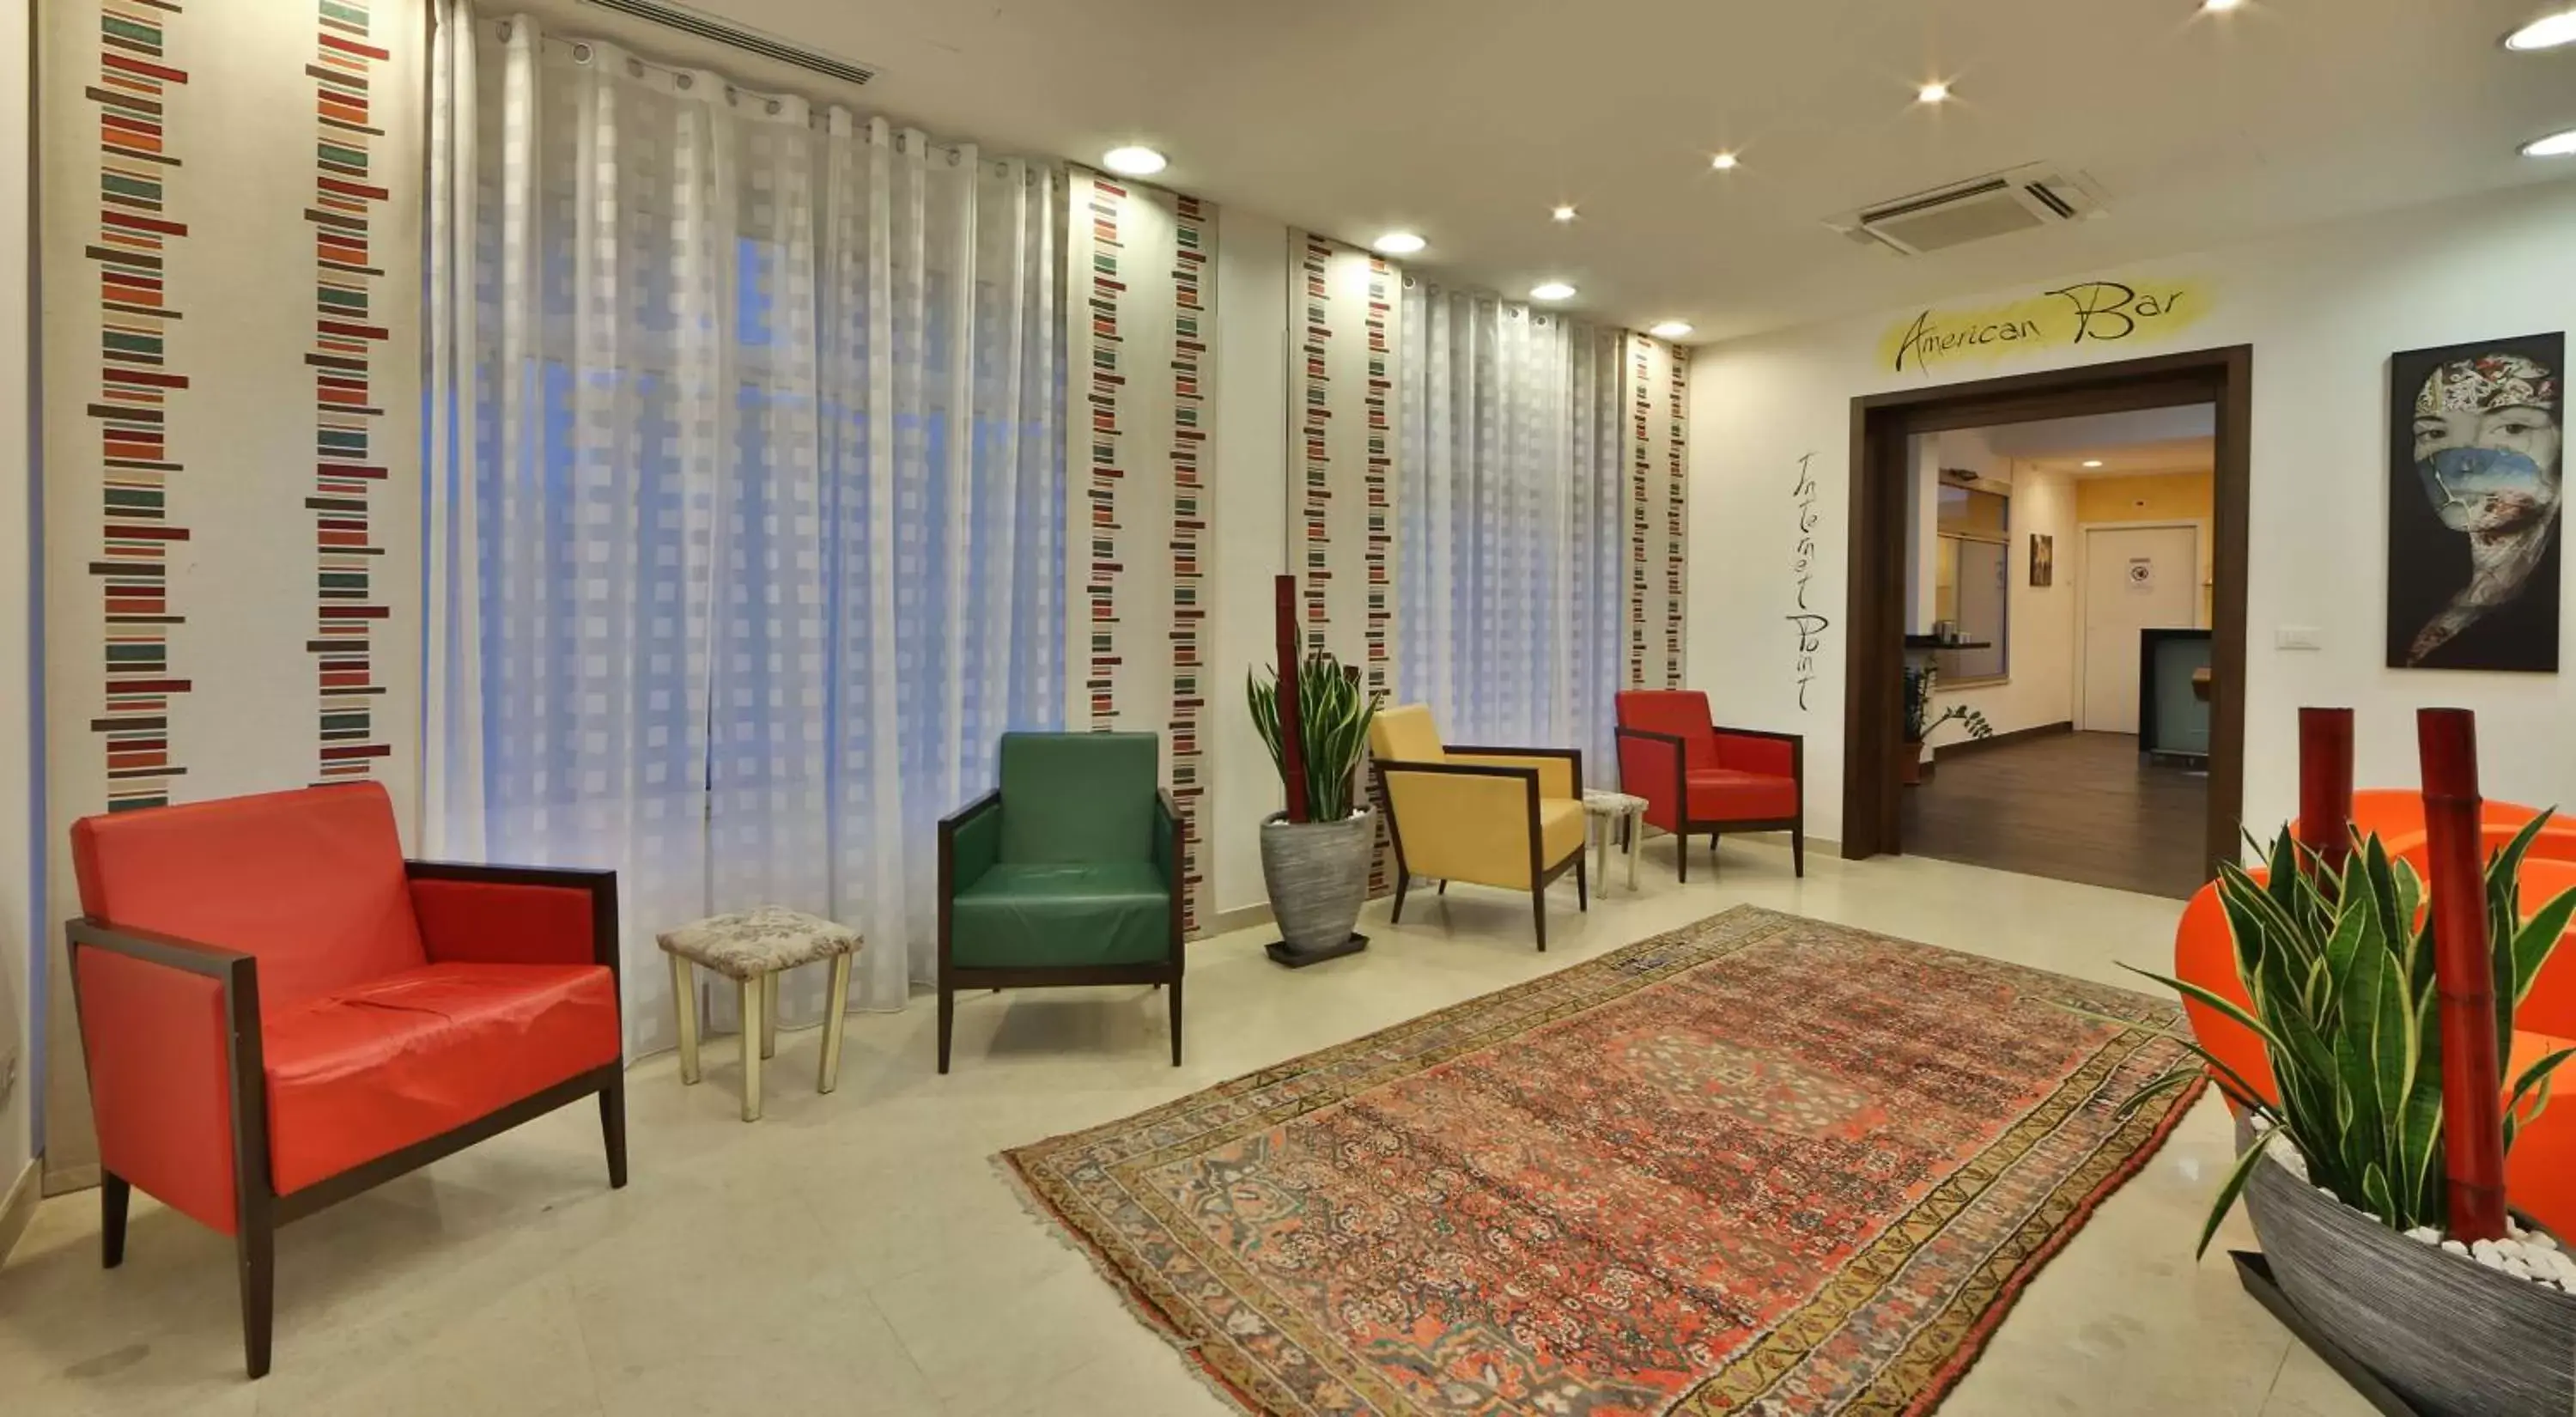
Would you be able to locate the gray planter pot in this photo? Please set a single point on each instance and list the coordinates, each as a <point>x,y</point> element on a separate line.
<point>1318,874</point>
<point>2451,1335</point>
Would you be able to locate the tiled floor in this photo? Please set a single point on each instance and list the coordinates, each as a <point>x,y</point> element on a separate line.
<point>856,1253</point>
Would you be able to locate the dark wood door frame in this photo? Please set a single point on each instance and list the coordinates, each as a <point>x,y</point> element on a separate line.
<point>1874,654</point>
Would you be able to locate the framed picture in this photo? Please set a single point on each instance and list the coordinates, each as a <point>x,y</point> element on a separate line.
<point>2043,560</point>
<point>2475,472</point>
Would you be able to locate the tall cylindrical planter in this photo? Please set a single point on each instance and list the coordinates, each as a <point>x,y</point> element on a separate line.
<point>2450,1335</point>
<point>1318,874</point>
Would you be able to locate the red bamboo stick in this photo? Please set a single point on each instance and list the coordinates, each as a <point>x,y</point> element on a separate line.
<point>2325,785</point>
<point>2464,970</point>
<point>1292,732</point>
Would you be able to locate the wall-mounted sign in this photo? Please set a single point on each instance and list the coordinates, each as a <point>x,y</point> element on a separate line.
<point>2086,312</point>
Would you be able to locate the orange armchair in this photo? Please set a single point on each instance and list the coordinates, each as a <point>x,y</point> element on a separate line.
<point>278,1011</point>
<point>1696,776</point>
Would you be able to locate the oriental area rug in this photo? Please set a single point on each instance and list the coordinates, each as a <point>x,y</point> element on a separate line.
<point>1761,1164</point>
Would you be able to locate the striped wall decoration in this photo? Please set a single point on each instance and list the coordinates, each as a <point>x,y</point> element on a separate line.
<point>1342,307</point>
<point>1657,439</point>
<point>1143,264</point>
<point>135,393</point>
<point>348,445</point>
<point>232,487</point>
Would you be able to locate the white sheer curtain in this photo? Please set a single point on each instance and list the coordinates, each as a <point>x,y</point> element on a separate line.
<point>745,490</point>
<point>1509,523</point>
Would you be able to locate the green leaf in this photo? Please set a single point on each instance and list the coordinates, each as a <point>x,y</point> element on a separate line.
<point>2223,1004</point>
<point>2537,938</point>
<point>2374,1189</point>
<point>2157,1087</point>
<point>2234,1186</point>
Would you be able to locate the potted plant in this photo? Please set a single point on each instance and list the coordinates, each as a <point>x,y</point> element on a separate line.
<point>1314,718</point>
<point>2351,1164</point>
<point>1921,723</point>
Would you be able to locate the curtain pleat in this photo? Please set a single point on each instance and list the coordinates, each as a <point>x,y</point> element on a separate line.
<point>742,449</point>
<point>1509,523</point>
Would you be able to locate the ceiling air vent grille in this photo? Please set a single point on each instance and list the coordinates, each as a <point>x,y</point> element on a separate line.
<point>724,32</point>
<point>2022,199</point>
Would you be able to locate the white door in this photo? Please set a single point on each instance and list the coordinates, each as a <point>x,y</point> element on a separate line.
<point>2135,578</point>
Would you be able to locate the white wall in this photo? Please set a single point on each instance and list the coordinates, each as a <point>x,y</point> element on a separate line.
<point>2039,689</point>
<point>1251,535</point>
<point>18,926</point>
<point>2322,309</point>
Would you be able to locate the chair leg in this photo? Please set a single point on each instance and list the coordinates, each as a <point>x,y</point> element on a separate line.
<point>1395,916</point>
<point>1798,849</point>
<point>769,1015</point>
<point>836,1008</point>
<point>750,992</point>
<point>1538,913</point>
<point>1175,992</point>
<point>1712,853</point>
<point>684,990</point>
<point>947,1022</point>
<point>115,1193</point>
<point>1583,886</point>
<point>1444,886</point>
<point>612,1130</point>
<point>256,1249</point>
<point>1681,849</point>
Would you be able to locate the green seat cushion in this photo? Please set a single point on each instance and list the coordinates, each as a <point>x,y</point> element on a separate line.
<point>1028,915</point>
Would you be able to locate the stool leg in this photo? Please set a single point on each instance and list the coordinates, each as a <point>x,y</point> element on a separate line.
<point>1636,832</point>
<point>769,1015</point>
<point>684,993</point>
<point>836,1004</point>
<point>752,995</point>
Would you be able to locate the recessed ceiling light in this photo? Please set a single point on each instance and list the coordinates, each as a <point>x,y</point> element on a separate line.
<point>1722,161</point>
<point>2547,32</point>
<point>1562,213</point>
<point>1552,290</point>
<point>1933,92</point>
<point>1132,161</point>
<point>1400,243</point>
<point>2555,145</point>
<point>2220,4</point>
<point>2092,462</point>
<point>1670,329</point>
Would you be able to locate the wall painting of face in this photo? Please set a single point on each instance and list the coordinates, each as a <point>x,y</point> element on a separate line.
<point>2475,479</point>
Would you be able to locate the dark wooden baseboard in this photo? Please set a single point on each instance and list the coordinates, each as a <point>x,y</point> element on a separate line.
<point>2019,735</point>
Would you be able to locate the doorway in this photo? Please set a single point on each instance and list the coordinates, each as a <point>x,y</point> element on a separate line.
<point>2199,565</point>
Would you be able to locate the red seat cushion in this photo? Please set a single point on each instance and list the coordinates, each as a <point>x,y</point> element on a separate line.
<point>1727,795</point>
<point>372,1068</point>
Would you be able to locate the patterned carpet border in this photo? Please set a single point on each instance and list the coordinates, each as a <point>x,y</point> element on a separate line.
<point>1329,1077</point>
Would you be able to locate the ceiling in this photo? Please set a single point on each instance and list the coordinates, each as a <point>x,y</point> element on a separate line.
<point>1466,120</point>
<point>2198,455</point>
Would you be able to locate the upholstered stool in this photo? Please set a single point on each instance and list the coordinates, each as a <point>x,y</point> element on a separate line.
<point>1623,813</point>
<point>750,947</point>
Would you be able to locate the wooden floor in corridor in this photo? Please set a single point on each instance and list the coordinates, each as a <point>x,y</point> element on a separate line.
<point>2072,806</point>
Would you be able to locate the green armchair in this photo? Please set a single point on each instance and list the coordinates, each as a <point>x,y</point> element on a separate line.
<point>1068,873</point>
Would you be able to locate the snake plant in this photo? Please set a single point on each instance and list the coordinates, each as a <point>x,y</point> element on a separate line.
<point>2340,972</point>
<point>1333,718</point>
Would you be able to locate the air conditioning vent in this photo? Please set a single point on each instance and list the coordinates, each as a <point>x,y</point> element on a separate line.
<point>727,33</point>
<point>2022,199</point>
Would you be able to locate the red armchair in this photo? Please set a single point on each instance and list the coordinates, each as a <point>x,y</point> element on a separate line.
<point>1698,777</point>
<point>278,1011</point>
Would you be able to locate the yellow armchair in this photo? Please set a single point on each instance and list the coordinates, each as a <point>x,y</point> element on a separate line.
<point>1505,817</point>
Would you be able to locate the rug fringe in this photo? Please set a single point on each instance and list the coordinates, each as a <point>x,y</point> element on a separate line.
<point>1146,1311</point>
